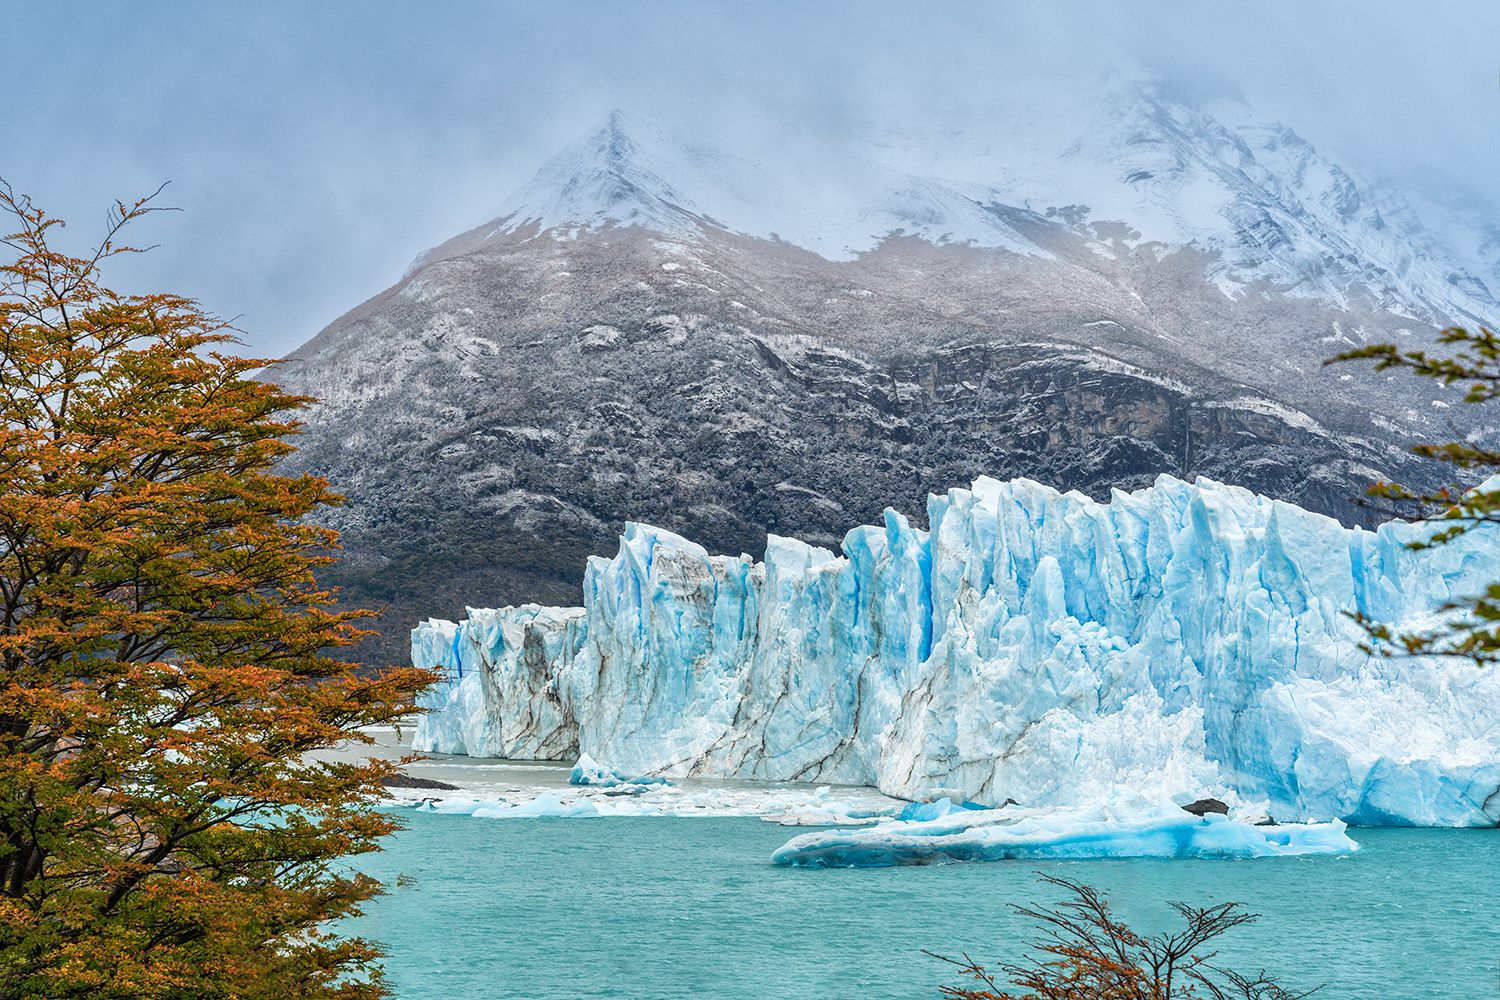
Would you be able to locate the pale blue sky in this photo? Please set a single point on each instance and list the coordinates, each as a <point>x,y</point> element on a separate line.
<point>315,148</point>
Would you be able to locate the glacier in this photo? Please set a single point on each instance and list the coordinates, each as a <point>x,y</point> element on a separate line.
<point>1034,647</point>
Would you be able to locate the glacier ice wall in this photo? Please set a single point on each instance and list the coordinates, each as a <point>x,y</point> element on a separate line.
<point>1179,641</point>
<point>505,673</point>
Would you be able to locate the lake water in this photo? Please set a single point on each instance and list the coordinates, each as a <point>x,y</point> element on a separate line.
<point>656,907</point>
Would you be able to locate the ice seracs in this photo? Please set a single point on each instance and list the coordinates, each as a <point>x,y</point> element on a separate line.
<point>1182,641</point>
<point>503,697</point>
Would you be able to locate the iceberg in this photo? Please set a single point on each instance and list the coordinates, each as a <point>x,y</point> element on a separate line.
<point>998,835</point>
<point>939,808</point>
<point>1183,641</point>
<point>588,771</point>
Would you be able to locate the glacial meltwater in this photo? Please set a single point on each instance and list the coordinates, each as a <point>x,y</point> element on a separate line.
<point>658,907</point>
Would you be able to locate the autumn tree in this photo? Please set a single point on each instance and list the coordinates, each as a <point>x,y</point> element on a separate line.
<point>166,830</point>
<point>1086,953</point>
<point>1470,360</point>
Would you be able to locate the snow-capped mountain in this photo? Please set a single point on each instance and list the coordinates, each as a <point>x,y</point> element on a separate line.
<point>628,172</point>
<point>1250,193</point>
<point>730,335</point>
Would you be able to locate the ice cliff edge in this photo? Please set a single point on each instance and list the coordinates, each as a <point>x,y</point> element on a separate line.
<point>1180,641</point>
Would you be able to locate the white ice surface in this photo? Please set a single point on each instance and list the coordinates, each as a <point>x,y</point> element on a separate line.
<point>505,789</point>
<point>890,832</point>
<point>1139,831</point>
<point>1186,640</point>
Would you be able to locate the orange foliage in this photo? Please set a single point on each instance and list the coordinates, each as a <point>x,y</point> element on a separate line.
<point>164,667</point>
<point>1086,954</point>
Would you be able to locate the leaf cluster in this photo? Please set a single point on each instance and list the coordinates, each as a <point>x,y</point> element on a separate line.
<point>1472,626</point>
<point>166,677</point>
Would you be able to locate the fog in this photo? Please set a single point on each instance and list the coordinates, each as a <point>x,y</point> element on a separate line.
<point>315,149</point>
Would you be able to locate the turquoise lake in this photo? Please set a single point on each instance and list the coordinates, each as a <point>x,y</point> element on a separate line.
<point>656,907</point>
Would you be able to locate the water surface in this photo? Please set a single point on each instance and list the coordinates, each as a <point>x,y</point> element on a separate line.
<point>655,907</point>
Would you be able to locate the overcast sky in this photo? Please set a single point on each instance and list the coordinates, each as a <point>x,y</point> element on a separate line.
<point>315,148</point>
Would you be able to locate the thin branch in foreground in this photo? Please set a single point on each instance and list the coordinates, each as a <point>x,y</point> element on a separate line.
<point>1084,953</point>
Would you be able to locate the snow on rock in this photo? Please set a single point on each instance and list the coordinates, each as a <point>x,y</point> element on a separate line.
<point>629,172</point>
<point>1182,641</point>
<point>997,835</point>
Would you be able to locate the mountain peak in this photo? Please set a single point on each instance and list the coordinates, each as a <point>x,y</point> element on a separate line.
<point>611,142</point>
<point>620,123</point>
<point>1252,195</point>
<point>615,173</point>
<point>626,171</point>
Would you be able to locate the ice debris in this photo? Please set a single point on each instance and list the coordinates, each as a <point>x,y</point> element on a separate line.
<point>590,772</point>
<point>788,806</point>
<point>544,806</point>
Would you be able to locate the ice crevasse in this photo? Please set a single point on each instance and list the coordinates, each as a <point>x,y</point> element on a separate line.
<point>1184,640</point>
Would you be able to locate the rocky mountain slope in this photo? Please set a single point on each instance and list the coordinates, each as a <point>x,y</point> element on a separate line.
<point>725,346</point>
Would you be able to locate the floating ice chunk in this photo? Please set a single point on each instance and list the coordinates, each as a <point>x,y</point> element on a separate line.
<point>545,805</point>
<point>830,812</point>
<point>511,791</point>
<point>937,809</point>
<point>627,788</point>
<point>588,771</point>
<point>997,835</point>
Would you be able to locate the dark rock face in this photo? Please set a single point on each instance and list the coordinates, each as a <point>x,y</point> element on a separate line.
<point>407,781</point>
<point>496,417</point>
<point>1205,806</point>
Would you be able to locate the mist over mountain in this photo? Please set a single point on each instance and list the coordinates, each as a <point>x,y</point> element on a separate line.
<point>728,335</point>
<point>314,153</point>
